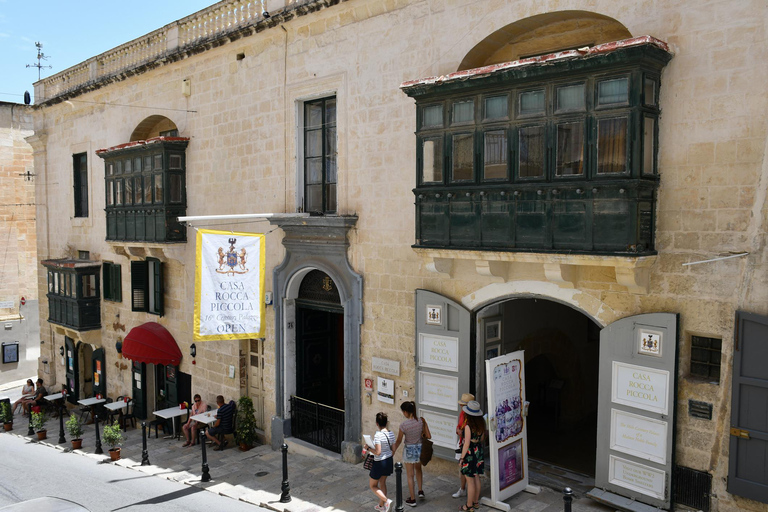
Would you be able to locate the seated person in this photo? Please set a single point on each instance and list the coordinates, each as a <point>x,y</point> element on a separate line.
<point>40,394</point>
<point>224,422</point>
<point>190,427</point>
<point>27,390</point>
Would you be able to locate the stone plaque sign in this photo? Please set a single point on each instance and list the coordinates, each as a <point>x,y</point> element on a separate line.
<point>442,427</point>
<point>641,387</point>
<point>638,477</point>
<point>439,391</point>
<point>640,436</point>
<point>6,304</point>
<point>387,366</point>
<point>440,352</point>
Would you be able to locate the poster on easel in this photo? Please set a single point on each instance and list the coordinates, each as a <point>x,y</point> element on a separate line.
<point>508,443</point>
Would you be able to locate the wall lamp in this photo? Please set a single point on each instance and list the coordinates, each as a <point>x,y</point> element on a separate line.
<point>119,347</point>
<point>192,350</point>
<point>61,350</point>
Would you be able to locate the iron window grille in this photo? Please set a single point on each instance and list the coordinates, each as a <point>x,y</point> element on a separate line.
<point>705,358</point>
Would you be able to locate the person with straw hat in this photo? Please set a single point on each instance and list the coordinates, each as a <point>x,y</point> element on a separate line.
<point>472,461</point>
<point>466,397</point>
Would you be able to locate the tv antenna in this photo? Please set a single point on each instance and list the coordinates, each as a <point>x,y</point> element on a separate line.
<point>40,58</point>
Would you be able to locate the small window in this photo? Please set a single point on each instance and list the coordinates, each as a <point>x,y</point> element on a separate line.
<point>147,162</point>
<point>531,151</point>
<point>320,150</point>
<point>72,285</point>
<point>158,188</point>
<point>174,162</point>
<point>496,108</point>
<point>432,160</point>
<point>532,102</point>
<point>613,92</point>
<point>147,189</point>
<point>612,145</point>
<point>571,98</point>
<point>705,358</point>
<point>570,149</point>
<point>50,282</point>
<point>176,188</point>
<point>432,116</point>
<point>118,192</point>
<point>463,112</point>
<point>137,164</point>
<point>110,169</point>
<point>119,167</point>
<point>128,167</point>
<point>158,162</point>
<point>89,286</point>
<point>137,193</point>
<point>112,279</point>
<point>80,164</point>
<point>649,92</point>
<point>463,156</point>
<point>649,145</point>
<point>147,286</point>
<point>495,155</point>
<point>170,133</point>
<point>110,192</point>
<point>83,255</point>
<point>128,191</point>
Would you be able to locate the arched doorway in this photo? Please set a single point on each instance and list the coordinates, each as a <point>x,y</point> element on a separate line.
<point>561,348</point>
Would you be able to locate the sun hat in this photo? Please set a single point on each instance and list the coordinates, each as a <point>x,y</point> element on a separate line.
<point>466,397</point>
<point>473,408</point>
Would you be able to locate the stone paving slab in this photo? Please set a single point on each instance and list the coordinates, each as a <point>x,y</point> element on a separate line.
<point>316,483</point>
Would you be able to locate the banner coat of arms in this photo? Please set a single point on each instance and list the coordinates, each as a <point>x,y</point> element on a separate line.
<point>229,285</point>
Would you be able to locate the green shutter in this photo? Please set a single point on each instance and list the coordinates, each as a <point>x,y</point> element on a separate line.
<point>116,283</point>
<point>139,285</point>
<point>158,277</point>
<point>106,280</point>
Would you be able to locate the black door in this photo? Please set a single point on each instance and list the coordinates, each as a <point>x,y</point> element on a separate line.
<point>170,386</point>
<point>139,385</point>
<point>72,370</point>
<point>320,355</point>
<point>99,373</point>
<point>747,475</point>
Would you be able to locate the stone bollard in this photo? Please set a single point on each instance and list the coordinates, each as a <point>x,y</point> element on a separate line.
<point>285,496</point>
<point>206,474</point>
<point>567,499</point>
<point>399,487</point>
<point>98,451</point>
<point>144,453</point>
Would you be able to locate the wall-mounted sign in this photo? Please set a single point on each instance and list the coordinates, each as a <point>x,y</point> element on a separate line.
<point>11,352</point>
<point>369,384</point>
<point>641,387</point>
<point>386,390</point>
<point>439,390</point>
<point>639,436</point>
<point>6,304</point>
<point>387,366</point>
<point>434,315</point>
<point>638,477</point>
<point>442,427</point>
<point>441,352</point>
<point>649,342</point>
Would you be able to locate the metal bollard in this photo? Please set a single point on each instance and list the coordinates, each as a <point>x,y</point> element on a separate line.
<point>285,496</point>
<point>206,474</point>
<point>62,439</point>
<point>144,453</point>
<point>98,451</point>
<point>398,487</point>
<point>567,499</point>
<point>30,431</point>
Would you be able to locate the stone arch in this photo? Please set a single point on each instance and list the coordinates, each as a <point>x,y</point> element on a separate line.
<point>151,127</point>
<point>544,33</point>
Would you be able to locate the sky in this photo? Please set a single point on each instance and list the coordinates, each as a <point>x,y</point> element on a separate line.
<point>71,32</point>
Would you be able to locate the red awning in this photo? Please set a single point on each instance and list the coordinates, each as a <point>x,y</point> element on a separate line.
<point>151,343</point>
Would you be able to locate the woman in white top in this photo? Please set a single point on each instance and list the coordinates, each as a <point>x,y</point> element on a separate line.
<point>27,390</point>
<point>383,440</point>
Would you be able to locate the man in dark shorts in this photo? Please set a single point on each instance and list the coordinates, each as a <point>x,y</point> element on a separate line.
<point>40,393</point>
<point>224,422</point>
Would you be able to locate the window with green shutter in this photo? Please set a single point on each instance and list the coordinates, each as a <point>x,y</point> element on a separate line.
<point>147,286</point>
<point>111,279</point>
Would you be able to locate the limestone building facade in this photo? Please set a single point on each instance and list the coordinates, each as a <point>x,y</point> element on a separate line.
<point>474,177</point>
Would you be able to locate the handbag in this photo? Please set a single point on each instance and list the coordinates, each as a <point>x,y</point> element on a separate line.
<point>368,462</point>
<point>426,446</point>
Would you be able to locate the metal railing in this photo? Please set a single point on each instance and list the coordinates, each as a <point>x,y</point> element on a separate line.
<point>316,423</point>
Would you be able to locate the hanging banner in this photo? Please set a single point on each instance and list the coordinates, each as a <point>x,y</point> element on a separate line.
<point>229,285</point>
<point>507,437</point>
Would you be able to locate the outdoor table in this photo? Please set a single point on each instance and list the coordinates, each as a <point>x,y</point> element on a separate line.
<point>90,403</point>
<point>115,407</point>
<point>54,397</point>
<point>207,417</point>
<point>171,413</point>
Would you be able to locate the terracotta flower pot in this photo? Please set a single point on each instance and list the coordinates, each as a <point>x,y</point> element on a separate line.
<point>77,444</point>
<point>8,426</point>
<point>43,434</point>
<point>114,453</point>
<point>245,447</point>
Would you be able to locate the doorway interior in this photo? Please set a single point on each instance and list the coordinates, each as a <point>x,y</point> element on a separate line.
<point>562,347</point>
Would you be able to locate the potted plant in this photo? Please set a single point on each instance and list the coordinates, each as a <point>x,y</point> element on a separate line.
<point>245,434</point>
<point>6,415</point>
<point>38,424</point>
<point>75,431</point>
<point>113,436</point>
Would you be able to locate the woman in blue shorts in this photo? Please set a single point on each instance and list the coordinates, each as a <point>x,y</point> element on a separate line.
<point>412,429</point>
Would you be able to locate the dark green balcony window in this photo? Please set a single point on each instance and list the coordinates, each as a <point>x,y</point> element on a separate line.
<point>145,191</point>
<point>73,293</point>
<point>554,157</point>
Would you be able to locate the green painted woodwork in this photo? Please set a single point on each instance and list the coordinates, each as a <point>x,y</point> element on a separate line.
<point>71,305</point>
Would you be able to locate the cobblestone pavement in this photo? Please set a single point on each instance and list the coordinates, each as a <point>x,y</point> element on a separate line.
<point>316,483</point>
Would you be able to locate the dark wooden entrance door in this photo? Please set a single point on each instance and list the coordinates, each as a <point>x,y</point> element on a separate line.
<point>72,370</point>
<point>320,354</point>
<point>167,382</point>
<point>747,473</point>
<point>139,386</point>
<point>99,369</point>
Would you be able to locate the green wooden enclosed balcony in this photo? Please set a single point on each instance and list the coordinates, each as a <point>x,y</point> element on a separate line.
<point>73,293</point>
<point>145,190</point>
<point>555,153</point>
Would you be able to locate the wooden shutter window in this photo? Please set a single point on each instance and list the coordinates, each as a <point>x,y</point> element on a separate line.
<point>156,288</point>
<point>106,280</point>
<point>116,287</point>
<point>139,285</point>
